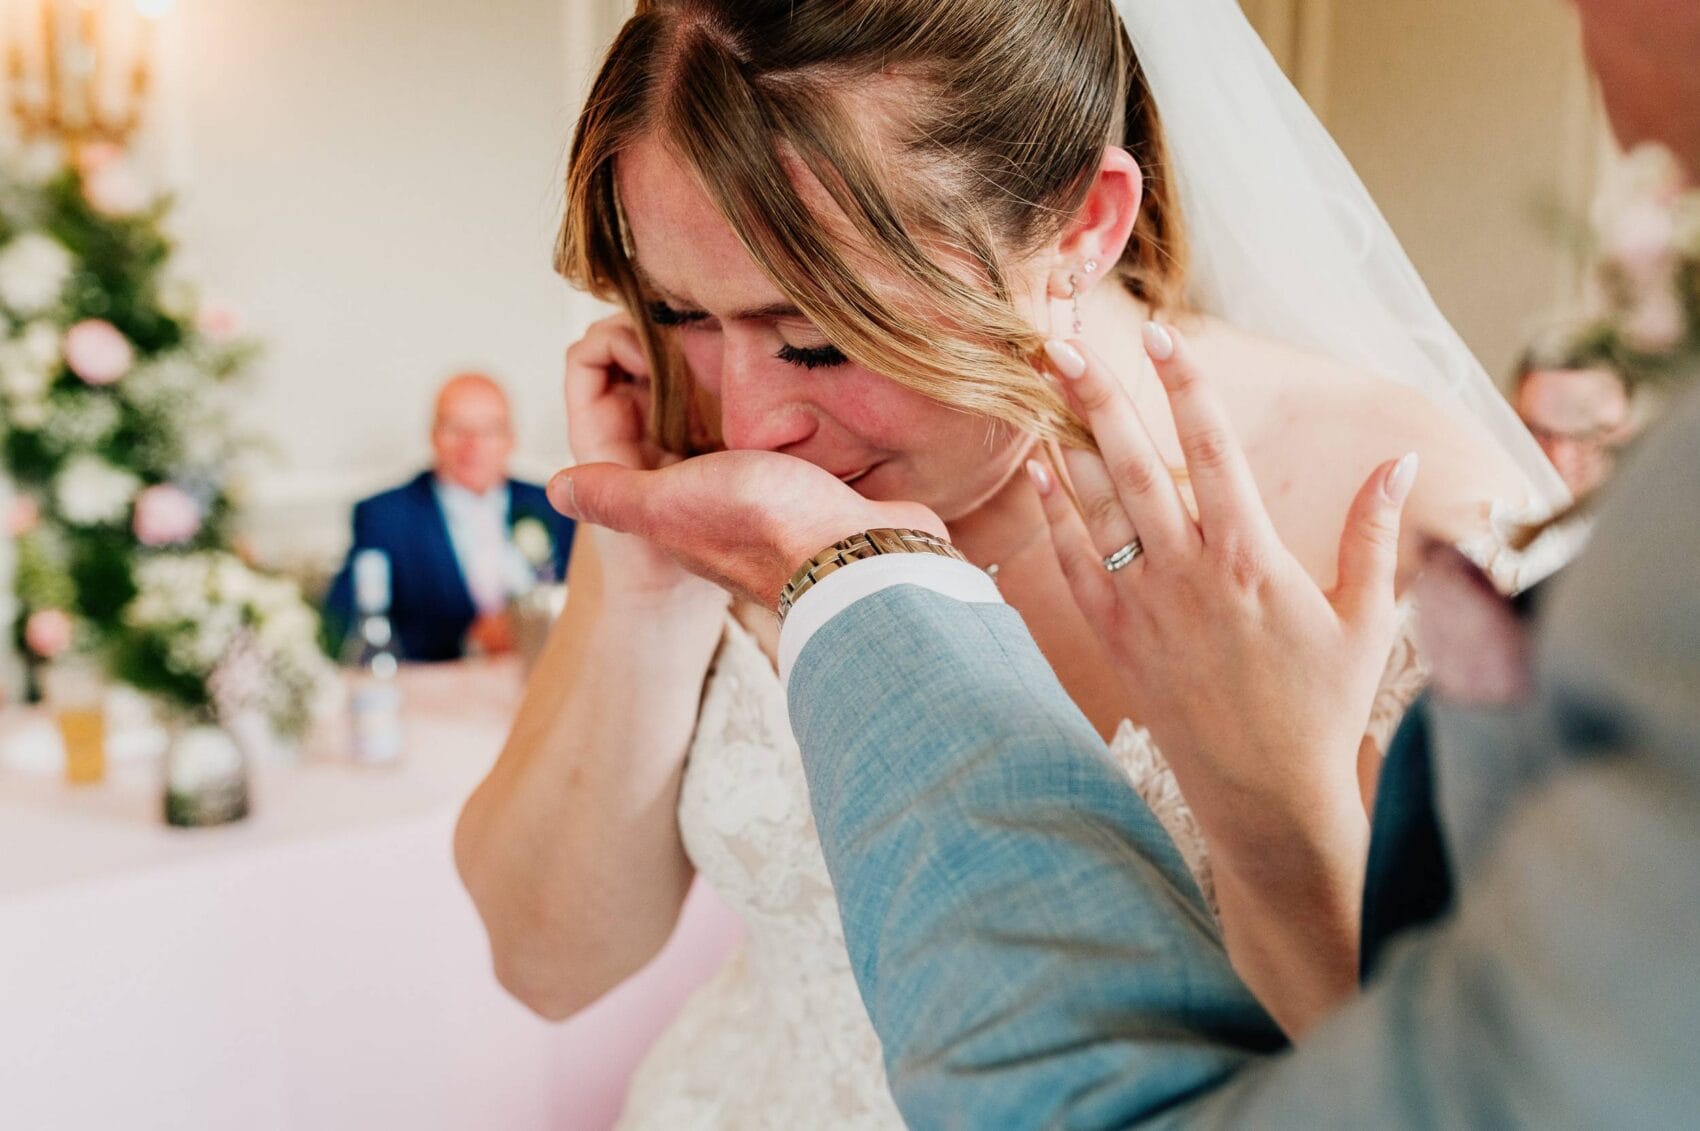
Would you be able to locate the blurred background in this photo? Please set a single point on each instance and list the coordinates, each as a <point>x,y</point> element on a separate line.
<point>374,186</point>
<point>365,200</point>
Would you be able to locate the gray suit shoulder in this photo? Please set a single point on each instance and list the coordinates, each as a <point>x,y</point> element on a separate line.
<point>1621,641</point>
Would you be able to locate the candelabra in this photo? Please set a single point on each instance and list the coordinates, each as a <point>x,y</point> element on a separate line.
<point>79,71</point>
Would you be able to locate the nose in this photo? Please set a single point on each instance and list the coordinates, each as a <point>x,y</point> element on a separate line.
<point>762,406</point>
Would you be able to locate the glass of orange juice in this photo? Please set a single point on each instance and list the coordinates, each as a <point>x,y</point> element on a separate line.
<point>76,695</point>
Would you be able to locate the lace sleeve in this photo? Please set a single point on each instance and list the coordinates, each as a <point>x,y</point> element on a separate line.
<point>1401,681</point>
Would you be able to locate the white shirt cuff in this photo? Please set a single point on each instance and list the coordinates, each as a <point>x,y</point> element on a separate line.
<point>842,588</point>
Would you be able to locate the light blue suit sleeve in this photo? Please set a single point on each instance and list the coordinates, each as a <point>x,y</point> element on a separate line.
<point>1028,942</point>
<point>1033,954</point>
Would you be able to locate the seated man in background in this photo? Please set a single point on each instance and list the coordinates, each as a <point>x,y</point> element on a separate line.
<point>1581,415</point>
<point>450,534</point>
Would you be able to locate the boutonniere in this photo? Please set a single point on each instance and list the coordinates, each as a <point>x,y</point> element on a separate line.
<point>532,540</point>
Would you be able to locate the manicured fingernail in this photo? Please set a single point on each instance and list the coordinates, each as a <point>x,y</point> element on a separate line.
<point>1401,479</point>
<point>562,494</point>
<point>1159,343</point>
<point>1066,358</point>
<point>1041,476</point>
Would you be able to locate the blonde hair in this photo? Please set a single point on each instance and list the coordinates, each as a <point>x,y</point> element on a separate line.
<point>997,115</point>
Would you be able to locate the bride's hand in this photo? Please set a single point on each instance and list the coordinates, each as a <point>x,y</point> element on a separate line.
<point>1255,682</point>
<point>608,393</point>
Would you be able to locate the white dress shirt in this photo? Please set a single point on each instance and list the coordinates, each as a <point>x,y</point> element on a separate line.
<point>838,590</point>
<point>478,528</point>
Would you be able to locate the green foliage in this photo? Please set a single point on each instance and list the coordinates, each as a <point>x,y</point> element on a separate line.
<point>119,265</point>
<point>1643,248</point>
<point>100,568</point>
<point>142,660</point>
<point>164,422</point>
<point>44,578</point>
<point>28,459</point>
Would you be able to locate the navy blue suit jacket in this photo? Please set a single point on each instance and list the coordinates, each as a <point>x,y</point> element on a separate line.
<point>431,607</point>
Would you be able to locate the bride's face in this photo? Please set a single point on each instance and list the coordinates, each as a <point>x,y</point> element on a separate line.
<point>778,383</point>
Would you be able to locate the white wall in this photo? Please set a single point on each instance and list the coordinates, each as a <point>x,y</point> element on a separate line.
<point>1470,121</point>
<point>374,184</point>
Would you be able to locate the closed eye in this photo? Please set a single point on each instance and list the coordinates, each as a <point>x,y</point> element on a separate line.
<point>663,315</point>
<point>812,357</point>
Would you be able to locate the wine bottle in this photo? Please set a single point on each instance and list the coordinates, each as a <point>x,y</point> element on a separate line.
<point>373,660</point>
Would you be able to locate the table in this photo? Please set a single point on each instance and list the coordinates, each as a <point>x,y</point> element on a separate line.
<point>317,966</point>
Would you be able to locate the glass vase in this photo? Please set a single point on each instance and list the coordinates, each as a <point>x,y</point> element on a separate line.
<point>206,775</point>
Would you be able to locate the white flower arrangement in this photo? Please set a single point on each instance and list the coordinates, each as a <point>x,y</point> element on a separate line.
<point>39,342</point>
<point>1645,324</point>
<point>82,421</point>
<point>171,382</point>
<point>34,269</point>
<point>210,633</point>
<point>92,492</point>
<point>28,362</point>
<point>21,378</point>
<point>119,448</point>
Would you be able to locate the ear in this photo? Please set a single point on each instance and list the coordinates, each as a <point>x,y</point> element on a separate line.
<point>1099,232</point>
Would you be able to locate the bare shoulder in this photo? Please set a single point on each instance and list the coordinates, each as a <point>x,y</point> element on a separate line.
<point>1341,422</point>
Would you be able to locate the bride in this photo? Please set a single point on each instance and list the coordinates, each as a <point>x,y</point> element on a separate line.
<point>843,231</point>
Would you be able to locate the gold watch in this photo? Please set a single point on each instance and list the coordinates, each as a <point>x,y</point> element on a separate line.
<point>868,544</point>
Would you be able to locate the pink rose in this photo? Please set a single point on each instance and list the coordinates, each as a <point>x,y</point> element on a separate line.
<point>23,516</point>
<point>165,516</point>
<point>48,633</point>
<point>115,190</point>
<point>97,352</point>
<point>97,155</point>
<point>218,322</point>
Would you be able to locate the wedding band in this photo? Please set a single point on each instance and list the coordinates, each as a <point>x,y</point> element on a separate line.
<point>1125,556</point>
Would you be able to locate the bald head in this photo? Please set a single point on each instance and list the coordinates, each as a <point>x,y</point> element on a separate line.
<point>469,389</point>
<point>472,432</point>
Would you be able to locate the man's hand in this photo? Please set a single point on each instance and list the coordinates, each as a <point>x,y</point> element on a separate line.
<point>744,520</point>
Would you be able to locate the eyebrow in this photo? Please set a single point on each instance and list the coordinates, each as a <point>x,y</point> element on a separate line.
<point>782,309</point>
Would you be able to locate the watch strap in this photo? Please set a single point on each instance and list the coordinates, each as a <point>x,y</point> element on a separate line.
<point>868,544</point>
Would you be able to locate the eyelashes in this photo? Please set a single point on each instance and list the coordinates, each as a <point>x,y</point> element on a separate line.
<point>804,357</point>
<point>663,315</point>
<point>812,357</point>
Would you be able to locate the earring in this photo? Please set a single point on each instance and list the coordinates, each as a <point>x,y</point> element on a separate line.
<point>1074,297</point>
<point>1091,266</point>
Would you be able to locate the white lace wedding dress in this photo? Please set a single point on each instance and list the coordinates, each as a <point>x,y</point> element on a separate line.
<point>779,1037</point>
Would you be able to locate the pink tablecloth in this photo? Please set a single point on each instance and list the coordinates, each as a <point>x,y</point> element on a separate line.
<point>316,967</point>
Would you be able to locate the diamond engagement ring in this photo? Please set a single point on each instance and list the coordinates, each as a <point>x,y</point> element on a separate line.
<point>1125,556</point>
